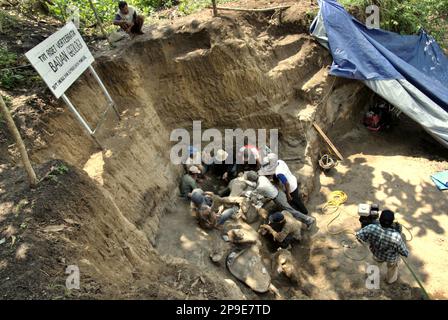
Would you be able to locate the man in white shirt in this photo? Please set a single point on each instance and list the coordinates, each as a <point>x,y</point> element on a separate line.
<point>279,169</point>
<point>264,187</point>
<point>128,19</point>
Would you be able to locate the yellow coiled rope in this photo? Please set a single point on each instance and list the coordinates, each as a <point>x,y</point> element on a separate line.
<point>333,205</point>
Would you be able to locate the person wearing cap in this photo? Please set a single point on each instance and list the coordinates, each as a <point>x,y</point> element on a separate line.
<point>189,182</point>
<point>220,168</point>
<point>264,187</point>
<point>385,243</point>
<point>194,159</point>
<point>273,166</point>
<point>283,228</point>
<point>209,212</point>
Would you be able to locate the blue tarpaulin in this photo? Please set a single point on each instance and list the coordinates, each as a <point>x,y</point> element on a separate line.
<point>410,71</point>
<point>440,179</point>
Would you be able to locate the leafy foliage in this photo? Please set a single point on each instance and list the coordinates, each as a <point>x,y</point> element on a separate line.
<point>409,16</point>
<point>6,21</point>
<point>107,8</point>
<point>7,77</point>
<point>12,75</point>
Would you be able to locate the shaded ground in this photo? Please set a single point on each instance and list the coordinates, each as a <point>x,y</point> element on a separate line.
<point>34,229</point>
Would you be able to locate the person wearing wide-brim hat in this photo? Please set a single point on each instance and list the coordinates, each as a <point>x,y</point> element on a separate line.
<point>220,168</point>
<point>265,188</point>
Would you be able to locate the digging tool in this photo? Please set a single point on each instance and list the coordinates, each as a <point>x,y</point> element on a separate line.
<point>425,293</point>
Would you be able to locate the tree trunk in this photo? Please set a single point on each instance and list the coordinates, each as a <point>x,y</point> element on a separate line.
<point>19,142</point>
<point>98,20</point>
<point>215,10</point>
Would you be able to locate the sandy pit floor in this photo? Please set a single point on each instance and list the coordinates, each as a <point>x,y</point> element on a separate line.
<point>181,237</point>
<point>392,169</point>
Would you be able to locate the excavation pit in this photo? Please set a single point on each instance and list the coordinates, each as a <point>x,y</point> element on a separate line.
<point>117,214</point>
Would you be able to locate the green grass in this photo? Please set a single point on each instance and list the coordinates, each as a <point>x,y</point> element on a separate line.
<point>6,21</point>
<point>7,58</point>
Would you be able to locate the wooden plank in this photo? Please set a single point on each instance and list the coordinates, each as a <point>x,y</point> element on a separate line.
<point>327,140</point>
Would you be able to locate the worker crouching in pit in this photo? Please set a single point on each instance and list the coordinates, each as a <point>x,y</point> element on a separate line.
<point>283,228</point>
<point>220,168</point>
<point>189,182</point>
<point>385,243</point>
<point>128,19</point>
<point>212,211</point>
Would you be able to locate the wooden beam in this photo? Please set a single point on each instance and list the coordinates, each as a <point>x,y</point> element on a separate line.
<point>253,10</point>
<point>327,140</point>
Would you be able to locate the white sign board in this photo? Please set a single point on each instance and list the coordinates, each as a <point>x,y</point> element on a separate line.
<point>61,58</point>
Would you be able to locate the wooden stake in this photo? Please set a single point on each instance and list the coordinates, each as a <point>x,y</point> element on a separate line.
<point>215,10</point>
<point>327,140</point>
<point>98,20</point>
<point>19,142</point>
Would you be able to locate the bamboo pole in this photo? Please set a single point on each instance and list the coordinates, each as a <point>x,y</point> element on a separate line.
<point>254,10</point>
<point>19,142</point>
<point>98,20</point>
